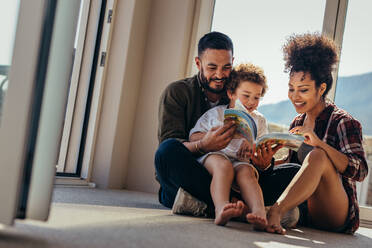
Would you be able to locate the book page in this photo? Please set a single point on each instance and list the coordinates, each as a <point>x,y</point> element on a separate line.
<point>289,140</point>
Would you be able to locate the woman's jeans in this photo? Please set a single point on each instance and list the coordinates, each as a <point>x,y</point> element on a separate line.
<point>176,167</point>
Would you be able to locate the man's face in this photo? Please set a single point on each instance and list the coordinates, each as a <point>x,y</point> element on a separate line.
<point>215,67</point>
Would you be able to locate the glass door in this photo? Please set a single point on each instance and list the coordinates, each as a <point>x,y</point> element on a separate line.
<point>34,107</point>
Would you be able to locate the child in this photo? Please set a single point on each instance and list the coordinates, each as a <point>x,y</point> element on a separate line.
<point>248,84</point>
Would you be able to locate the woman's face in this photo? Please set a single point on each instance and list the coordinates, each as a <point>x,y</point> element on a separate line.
<point>303,92</point>
<point>249,94</point>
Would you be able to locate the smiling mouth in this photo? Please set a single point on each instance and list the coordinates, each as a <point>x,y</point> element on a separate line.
<point>222,80</point>
<point>218,83</point>
<point>299,104</point>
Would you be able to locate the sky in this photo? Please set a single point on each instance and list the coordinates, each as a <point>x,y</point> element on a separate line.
<point>8,21</point>
<point>260,28</point>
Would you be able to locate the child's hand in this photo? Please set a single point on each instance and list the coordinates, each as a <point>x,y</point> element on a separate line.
<point>245,151</point>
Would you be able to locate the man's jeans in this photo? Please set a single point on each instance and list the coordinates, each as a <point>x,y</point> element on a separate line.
<point>177,167</point>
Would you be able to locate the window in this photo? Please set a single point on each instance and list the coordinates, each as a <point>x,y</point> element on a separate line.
<point>259,37</point>
<point>258,30</point>
<point>354,84</point>
<point>8,22</point>
<point>88,64</point>
<point>76,60</point>
<point>34,109</point>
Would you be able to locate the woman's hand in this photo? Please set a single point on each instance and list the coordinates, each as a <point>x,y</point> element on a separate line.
<point>264,153</point>
<point>310,137</point>
<point>245,151</point>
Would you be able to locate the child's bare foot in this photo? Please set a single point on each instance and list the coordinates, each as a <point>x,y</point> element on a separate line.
<point>258,219</point>
<point>273,221</point>
<point>228,211</point>
<point>245,211</point>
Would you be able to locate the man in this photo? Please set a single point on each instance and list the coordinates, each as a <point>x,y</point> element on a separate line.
<point>181,105</point>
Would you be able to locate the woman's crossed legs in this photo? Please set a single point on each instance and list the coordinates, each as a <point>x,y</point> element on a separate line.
<point>319,183</point>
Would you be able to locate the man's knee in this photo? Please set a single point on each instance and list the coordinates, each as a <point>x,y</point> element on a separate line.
<point>282,173</point>
<point>167,148</point>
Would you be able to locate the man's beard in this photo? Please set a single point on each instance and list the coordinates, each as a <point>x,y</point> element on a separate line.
<point>205,83</point>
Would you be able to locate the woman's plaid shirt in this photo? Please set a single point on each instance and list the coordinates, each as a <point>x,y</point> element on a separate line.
<point>340,130</point>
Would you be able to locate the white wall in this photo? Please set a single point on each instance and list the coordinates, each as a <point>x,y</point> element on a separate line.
<point>124,69</point>
<point>165,61</point>
<point>152,44</point>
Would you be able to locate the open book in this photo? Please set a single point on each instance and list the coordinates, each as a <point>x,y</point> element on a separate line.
<point>247,128</point>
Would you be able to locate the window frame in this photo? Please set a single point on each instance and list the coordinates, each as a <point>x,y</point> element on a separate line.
<point>98,90</point>
<point>334,27</point>
<point>62,166</point>
<point>87,80</point>
<point>34,107</point>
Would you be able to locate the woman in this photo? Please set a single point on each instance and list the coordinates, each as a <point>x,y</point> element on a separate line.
<point>332,156</point>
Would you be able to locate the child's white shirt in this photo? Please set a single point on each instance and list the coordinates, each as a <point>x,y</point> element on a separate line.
<point>214,117</point>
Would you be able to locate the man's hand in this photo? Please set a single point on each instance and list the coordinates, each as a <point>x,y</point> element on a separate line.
<point>264,153</point>
<point>218,137</point>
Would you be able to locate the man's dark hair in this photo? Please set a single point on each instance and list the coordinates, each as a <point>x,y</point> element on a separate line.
<point>215,40</point>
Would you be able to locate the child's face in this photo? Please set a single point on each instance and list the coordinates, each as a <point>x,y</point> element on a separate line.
<point>249,94</point>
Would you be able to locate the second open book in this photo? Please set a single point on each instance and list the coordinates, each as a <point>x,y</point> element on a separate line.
<point>247,128</point>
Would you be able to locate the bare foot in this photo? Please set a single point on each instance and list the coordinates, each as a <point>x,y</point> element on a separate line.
<point>273,221</point>
<point>258,219</point>
<point>228,211</point>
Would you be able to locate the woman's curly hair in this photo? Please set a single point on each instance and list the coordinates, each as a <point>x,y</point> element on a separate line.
<point>312,53</point>
<point>247,72</point>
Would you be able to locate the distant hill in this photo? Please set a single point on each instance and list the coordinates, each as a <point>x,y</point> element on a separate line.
<point>353,93</point>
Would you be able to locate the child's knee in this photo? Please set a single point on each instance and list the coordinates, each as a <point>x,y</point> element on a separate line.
<point>219,164</point>
<point>225,166</point>
<point>246,171</point>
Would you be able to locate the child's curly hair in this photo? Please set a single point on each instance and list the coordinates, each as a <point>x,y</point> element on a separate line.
<point>312,53</point>
<point>247,72</point>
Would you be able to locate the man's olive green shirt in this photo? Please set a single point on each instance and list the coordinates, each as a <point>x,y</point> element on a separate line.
<point>181,105</point>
